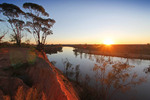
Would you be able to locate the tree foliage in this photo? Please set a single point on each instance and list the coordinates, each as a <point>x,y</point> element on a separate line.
<point>38,23</point>
<point>13,15</point>
<point>35,21</point>
<point>2,35</point>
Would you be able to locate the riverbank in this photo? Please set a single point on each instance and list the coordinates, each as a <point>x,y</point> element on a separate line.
<point>26,74</point>
<point>50,49</point>
<point>125,51</point>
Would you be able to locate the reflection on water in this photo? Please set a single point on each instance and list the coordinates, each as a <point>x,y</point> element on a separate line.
<point>147,70</point>
<point>71,71</point>
<point>116,78</point>
<point>112,78</point>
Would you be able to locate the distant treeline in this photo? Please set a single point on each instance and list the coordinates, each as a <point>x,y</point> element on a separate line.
<point>131,51</point>
<point>8,44</point>
<point>136,49</point>
<point>47,48</point>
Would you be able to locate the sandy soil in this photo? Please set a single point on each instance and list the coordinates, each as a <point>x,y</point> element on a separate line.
<point>26,74</point>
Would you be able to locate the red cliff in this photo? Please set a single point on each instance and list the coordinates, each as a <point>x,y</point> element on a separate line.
<point>27,74</point>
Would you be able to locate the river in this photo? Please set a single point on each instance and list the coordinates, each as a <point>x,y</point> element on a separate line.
<point>111,77</point>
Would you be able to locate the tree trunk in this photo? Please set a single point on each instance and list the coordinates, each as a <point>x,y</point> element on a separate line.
<point>18,42</point>
<point>40,47</point>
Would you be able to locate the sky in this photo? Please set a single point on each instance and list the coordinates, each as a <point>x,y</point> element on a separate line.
<point>94,21</point>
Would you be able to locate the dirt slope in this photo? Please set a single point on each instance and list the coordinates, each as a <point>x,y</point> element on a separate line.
<point>26,74</point>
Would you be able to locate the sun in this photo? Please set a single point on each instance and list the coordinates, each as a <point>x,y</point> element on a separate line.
<point>108,42</point>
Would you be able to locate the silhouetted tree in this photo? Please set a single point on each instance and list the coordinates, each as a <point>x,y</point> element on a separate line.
<point>13,15</point>
<point>2,35</point>
<point>38,23</point>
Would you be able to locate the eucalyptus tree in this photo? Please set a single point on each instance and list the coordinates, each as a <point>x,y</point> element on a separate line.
<point>13,15</point>
<point>2,34</point>
<point>38,22</point>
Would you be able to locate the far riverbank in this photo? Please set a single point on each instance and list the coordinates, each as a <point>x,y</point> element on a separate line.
<point>125,51</point>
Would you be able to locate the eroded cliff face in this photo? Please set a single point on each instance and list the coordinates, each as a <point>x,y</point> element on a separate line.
<point>27,74</point>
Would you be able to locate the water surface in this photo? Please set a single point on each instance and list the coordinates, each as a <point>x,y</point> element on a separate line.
<point>111,77</point>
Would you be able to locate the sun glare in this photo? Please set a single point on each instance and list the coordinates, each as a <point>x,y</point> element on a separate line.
<point>108,42</point>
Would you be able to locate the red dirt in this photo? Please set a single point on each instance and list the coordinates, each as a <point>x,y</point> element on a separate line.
<point>32,70</point>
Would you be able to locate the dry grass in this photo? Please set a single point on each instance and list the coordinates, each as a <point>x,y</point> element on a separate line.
<point>30,94</point>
